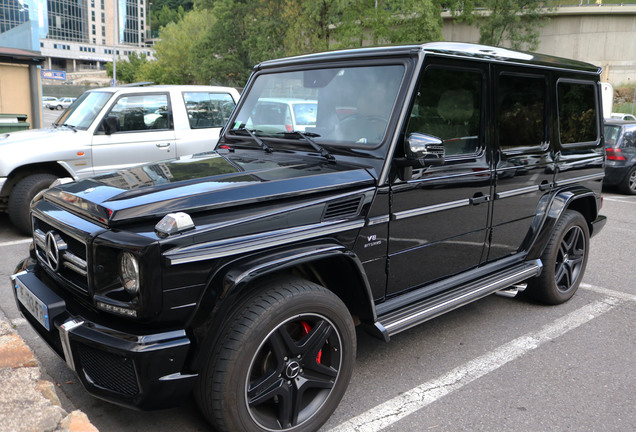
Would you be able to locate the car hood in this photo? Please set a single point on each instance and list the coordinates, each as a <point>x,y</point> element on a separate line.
<point>32,136</point>
<point>202,183</point>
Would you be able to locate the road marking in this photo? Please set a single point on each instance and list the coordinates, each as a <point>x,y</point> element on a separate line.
<point>16,242</point>
<point>619,200</point>
<point>609,292</point>
<point>413,400</point>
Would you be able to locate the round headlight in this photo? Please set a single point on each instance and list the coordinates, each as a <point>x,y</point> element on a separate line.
<point>129,273</point>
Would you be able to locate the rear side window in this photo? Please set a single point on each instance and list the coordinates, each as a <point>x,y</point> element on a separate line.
<point>577,112</point>
<point>142,112</point>
<point>521,111</point>
<point>208,110</point>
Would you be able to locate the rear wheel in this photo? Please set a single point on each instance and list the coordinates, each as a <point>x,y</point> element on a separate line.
<point>20,199</point>
<point>283,363</point>
<point>628,185</point>
<point>564,260</point>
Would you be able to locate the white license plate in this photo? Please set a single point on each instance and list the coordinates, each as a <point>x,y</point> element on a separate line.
<point>34,305</point>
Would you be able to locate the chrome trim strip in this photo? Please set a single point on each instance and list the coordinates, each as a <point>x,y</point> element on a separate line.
<point>377,220</point>
<point>76,269</point>
<point>75,261</point>
<point>430,209</point>
<point>515,192</point>
<point>66,343</point>
<point>237,245</point>
<point>579,179</point>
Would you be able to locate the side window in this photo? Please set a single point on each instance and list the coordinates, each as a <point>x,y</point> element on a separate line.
<point>448,105</point>
<point>142,112</point>
<point>577,112</point>
<point>208,110</point>
<point>521,111</point>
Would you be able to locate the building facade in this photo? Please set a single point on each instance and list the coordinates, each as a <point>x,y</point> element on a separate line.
<point>75,35</point>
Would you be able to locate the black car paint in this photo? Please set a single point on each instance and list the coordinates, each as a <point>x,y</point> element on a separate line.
<point>258,213</point>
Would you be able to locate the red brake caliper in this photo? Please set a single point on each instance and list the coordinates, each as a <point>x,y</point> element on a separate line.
<point>306,330</point>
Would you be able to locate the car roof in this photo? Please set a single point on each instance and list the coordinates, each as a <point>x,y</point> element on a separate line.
<point>154,88</point>
<point>454,49</point>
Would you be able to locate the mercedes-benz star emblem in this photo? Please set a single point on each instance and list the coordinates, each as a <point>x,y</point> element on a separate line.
<point>54,250</point>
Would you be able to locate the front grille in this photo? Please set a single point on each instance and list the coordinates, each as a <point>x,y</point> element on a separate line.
<point>67,260</point>
<point>109,371</point>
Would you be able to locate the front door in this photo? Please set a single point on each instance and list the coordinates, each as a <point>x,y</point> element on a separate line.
<point>439,218</point>
<point>145,134</point>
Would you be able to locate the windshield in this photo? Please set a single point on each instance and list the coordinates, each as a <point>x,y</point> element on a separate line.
<point>348,106</point>
<point>83,111</point>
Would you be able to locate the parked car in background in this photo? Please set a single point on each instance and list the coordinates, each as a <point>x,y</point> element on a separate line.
<point>283,115</point>
<point>620,151</point>
<point>108,129</point>
<point>48,99</point>
<point>622,116</point>
<point>61,103</point>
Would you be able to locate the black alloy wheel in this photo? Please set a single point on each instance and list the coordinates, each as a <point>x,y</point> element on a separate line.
<point>564,260</point>
<point>283,362</point>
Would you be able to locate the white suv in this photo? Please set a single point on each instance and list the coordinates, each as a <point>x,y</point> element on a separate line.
<point>108,129</point>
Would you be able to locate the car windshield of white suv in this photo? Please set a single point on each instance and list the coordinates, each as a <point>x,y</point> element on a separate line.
<point>348,106</point>
<point>84,110</point>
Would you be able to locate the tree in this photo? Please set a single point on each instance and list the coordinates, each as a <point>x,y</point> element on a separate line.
<point>512,22</point>
<point>127,70</point>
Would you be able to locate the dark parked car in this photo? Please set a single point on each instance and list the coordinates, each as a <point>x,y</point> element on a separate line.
<point>620,150</point>
<point>434,175</point>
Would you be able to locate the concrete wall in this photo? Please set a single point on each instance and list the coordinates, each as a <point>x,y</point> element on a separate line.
<point>604,36</point>
<point>15,95</point>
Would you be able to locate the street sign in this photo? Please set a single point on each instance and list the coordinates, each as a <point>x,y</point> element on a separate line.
<point>53,74</point>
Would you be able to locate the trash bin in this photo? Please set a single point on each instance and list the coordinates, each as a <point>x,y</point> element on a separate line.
<point>13,122</point>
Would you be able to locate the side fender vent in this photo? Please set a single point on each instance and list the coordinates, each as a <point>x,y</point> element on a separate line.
<point>342,209</point>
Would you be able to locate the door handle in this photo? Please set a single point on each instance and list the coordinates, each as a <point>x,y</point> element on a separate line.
<point>479,198</point>
<point>162,145</point>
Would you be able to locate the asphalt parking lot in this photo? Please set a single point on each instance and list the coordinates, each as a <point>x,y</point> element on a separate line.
<point>498,364</point>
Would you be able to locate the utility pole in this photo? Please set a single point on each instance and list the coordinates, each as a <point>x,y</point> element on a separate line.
<point>115,21</point>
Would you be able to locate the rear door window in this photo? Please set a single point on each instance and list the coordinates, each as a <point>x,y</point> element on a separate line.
<point>578,117</point>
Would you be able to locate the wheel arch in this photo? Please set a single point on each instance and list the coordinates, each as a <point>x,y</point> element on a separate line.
<point>55,168</point>
<point>580,199</point>
<point>327,263</point>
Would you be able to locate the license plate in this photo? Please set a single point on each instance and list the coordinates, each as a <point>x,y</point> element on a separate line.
<point>34,305</point>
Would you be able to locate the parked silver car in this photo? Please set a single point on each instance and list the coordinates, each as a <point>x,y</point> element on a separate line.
<point>108,129</point>
<point>61,103</point>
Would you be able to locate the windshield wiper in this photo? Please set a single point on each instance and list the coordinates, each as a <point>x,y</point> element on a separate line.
<point>259,141</point>
<point>73,128</point>
<point>307,136</point>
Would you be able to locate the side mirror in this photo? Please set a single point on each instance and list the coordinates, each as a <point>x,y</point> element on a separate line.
<point>425,150</point>
<point>421,151</point>
<point>111,124</point>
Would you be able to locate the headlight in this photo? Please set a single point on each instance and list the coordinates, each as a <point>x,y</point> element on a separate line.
<point>129,273</point>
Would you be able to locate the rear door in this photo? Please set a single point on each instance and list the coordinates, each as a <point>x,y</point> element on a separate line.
<point>524,155</point>
<point>439,218</point>
<point>146,133</point>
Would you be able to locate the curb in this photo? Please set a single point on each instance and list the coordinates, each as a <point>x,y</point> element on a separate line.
<point>28,403</point>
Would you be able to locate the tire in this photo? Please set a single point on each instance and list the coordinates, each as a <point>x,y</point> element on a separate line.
<point>628,186</point>
<point>20,199</point>
<point>283,362</point>
<point>564,260</point>
<point>59,107</point>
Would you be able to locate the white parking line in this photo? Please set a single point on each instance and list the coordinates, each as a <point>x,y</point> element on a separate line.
<point>407,403</point>
<point>609,292</point>
<point>16,242</point>
<point>620,200</point>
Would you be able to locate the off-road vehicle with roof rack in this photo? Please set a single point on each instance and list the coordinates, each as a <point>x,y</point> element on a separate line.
<point>432,176</point>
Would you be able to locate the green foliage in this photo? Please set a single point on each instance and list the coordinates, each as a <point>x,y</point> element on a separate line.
<point>127,71</point>
<point>165,16</point>
<point>515,23</point>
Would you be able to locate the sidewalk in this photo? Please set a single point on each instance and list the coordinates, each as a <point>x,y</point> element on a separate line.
<point>28,403</point>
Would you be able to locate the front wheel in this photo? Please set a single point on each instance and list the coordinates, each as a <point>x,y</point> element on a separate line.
<point>20,199</point>
<point>283,363</point>
<point>564,260</point>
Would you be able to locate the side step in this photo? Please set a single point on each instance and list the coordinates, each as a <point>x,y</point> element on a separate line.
<point>404,318</point>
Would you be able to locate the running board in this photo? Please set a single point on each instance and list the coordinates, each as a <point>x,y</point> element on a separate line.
<point>404,318</point>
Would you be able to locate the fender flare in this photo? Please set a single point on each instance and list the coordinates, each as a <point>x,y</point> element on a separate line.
<point>579,198</point>
<point>228,284</point>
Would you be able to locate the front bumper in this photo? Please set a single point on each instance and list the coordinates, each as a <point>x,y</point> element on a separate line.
<point>141,371</point>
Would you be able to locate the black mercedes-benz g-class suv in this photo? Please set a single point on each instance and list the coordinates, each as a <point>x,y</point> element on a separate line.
<point>411,181</point>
